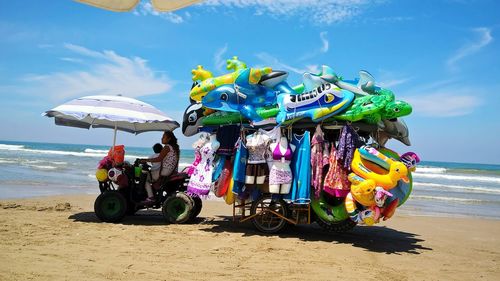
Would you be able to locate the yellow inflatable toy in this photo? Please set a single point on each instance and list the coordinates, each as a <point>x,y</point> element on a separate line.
<point>371,197</point>
<point>370,164</point>
<point>229,197</point>
<point>101,175</point>
<point>363,191</point>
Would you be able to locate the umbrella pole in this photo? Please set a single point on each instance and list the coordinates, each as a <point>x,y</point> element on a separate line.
<point>114,140</point>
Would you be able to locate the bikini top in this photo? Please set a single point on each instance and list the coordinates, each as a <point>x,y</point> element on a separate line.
<point>277,155</point>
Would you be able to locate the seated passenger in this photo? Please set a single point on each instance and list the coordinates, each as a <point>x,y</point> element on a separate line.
<point>164,163</point>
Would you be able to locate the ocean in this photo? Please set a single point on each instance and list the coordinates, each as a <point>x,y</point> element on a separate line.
<point>29,169</point>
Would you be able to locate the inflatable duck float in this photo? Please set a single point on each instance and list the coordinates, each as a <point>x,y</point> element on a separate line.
<point>372,197</point>
<point>369,163</point>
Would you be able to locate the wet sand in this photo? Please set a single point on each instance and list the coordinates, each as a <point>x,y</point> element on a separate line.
<point>59,238</point>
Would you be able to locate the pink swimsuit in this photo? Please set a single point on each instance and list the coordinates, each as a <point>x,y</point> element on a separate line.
<point>281,174</point>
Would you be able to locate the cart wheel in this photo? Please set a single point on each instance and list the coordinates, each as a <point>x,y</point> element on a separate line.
<point>110,206</point>
<point>266,220</point>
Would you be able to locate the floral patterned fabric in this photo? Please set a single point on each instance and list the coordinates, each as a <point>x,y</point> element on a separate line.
<point>280,174</point>
<point>319,148</point>
<point>348,142</point>
<point>336,182</point>
<point>201,179</point>
<point>169,162</point>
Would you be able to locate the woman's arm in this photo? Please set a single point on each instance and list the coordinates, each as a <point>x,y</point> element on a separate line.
<point>160,157</point>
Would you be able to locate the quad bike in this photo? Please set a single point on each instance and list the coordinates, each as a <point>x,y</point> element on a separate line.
<point>125,194</point>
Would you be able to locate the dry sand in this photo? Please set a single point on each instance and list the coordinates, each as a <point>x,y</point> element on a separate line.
<point>59,238</point>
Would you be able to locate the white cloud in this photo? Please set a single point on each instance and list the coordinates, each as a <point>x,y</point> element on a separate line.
<point>320,12</point>
<point>325,45</point>
<point>313,68</point>
<point>218,60</point>
<point>388,19</point>
<point>325,42</point>
<point>393,82</point>
<point>484,39</point>
<point>108,74</point>
<point>146,8</point>
<point>277,64</point>
<point>316,12</point>
<point>444,104</point>
<point>72,60</point>
<point>389,79</point>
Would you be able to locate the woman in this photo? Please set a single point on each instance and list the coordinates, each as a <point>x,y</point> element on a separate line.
<point>169,157</point>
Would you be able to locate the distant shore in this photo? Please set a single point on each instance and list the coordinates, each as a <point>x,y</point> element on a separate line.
<point>59,238</point>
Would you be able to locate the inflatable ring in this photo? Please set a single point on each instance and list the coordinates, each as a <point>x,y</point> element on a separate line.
<point>402,190</point>
<point>328,212</point>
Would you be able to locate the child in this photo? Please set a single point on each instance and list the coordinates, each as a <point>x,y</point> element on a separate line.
<point>155,173</point>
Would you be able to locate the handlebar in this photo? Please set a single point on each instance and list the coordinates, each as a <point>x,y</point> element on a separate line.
<point>145,166</point>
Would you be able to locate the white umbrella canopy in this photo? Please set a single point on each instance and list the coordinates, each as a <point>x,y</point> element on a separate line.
<point>128,5</point>
<point>114,112</point>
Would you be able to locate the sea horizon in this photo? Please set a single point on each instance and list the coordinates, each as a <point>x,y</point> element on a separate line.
<point>32,169</point>
<point>495,166</point>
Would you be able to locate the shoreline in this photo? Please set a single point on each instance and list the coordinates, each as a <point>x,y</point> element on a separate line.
<point>59,238</point>
<point>405,210</point>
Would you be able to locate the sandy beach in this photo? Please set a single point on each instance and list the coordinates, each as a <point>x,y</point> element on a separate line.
<point>59,238</point>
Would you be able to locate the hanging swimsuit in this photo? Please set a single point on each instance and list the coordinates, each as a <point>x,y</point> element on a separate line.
<point>257,168</point>
<point>319,159</point>
<point>280,170</point>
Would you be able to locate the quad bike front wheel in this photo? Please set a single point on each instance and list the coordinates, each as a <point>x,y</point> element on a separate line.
<point>178,207</point>
<point>110,206</point>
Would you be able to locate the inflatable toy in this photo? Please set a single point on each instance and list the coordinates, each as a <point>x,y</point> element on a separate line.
<point>192,119</point>
<point>209,83</point>
<point>352,209</point>
<point>243,97</point>
<point>319,104</point>
<point>235,64</point>
<point>361,107</point>
<point>328,212</point>
<point>311,81</point>
<point>363,86</point>
<point>372,197</point>
<point>101,175</point>
<point>229,198</point>
<point>228,118</point>
<point>403,189</point>
<point>392,128</point>
<point>364,159</point>
<point>410,159</point>
<point>374,108</point>
<point>113,174</point>
<point>221,185</point>
<point>392,110</point>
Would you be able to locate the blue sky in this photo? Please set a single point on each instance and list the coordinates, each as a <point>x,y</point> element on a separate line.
<point>442,56</point>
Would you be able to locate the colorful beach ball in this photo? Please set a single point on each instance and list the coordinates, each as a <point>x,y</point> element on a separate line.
<point>113,174</point>
<point>101,175</point>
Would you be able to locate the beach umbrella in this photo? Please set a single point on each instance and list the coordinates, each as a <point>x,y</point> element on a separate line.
<point>128,5</point>
<point>114,112</point>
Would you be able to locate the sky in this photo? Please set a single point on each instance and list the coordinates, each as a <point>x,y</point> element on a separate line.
<point>441,56</point>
